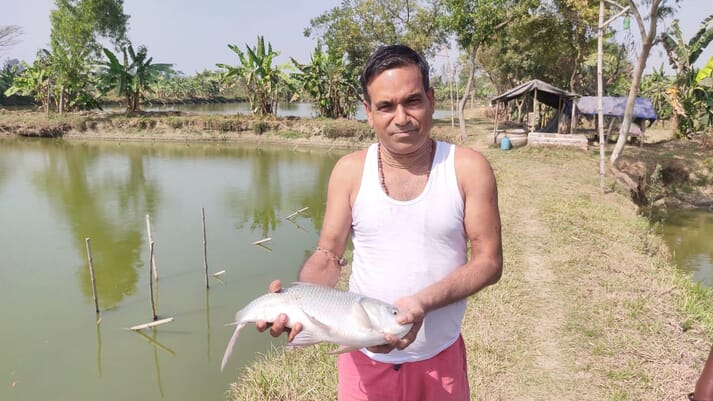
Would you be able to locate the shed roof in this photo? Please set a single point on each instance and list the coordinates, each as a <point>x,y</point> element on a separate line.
<point>546,93</point>
<point>614,106</point>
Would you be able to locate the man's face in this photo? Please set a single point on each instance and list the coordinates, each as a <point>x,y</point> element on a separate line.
<point>400,110</point>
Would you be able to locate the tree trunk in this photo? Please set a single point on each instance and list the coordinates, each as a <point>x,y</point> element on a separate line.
<point>646,43</point>
<point>61,99</point>
<point>466,93</point>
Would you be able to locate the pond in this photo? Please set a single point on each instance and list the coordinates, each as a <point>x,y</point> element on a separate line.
<point>689,235</point>
<point>54,194</point>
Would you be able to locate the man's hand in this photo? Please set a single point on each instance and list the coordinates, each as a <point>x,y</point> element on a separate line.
<point>410,311</point>
<point>279,326</point>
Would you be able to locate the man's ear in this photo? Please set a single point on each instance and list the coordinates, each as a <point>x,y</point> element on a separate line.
<point>367,111</point>
<point>431,97</point>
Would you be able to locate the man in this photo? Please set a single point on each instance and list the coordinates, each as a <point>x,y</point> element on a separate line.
<point>704,384</point>
<point>412,205</point>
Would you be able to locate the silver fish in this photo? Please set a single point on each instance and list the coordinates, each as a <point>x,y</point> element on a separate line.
<point>348,319</point>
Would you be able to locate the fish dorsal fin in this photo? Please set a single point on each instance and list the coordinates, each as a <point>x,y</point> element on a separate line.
<point>360,316</point>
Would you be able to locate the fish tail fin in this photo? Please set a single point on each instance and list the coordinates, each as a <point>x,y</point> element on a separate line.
<point>231,344</point>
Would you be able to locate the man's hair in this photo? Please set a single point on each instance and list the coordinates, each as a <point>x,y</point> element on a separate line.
<point>388,57</point>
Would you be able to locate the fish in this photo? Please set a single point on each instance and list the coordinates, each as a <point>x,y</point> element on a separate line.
<point>348,319</point>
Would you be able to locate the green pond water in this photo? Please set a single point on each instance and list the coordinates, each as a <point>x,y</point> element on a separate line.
<point>54,194</point>
<point>689,235</point>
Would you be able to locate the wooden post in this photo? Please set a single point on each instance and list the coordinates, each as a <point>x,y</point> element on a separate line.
<point>91,274</point>
<point>573,122</point>
<point>152,262</point>
<point>205,250</point>
<point>153,302</point>
<point>535,116</point>
<point>495,129</point>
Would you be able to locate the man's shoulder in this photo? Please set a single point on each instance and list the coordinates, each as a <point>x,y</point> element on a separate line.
<point>351,164</point>
<point>353,159</point>
<point>465,154</point>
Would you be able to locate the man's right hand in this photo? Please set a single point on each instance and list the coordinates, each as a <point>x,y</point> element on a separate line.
<point>279,326</point>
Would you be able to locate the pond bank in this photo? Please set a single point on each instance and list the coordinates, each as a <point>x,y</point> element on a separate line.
<point>177,126</point>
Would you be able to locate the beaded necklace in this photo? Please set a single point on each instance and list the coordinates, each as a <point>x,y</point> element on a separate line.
<point>381,165</point>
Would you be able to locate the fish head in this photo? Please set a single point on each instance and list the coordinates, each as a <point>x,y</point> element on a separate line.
<point>382,317</point>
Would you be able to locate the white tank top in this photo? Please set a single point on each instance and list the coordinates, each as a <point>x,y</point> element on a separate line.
<point>401,247</point>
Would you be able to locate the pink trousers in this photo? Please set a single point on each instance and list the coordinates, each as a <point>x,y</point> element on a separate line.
<point>441,378</point>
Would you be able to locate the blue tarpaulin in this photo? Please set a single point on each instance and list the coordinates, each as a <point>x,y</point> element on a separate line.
<point>614,106</point>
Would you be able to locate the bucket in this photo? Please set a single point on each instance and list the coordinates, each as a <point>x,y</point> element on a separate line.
<point>505,143</point>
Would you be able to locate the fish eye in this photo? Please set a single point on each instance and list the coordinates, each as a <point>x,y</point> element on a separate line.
<point>394,312</point>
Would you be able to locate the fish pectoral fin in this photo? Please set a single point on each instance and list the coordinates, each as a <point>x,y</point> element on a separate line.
<point>344,348</point>
<point>318,323</point>
<point>307,337</point>
<point>302,339</point>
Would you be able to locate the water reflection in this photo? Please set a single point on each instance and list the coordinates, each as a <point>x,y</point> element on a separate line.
<point>97,195</point>
<point>688,233</point>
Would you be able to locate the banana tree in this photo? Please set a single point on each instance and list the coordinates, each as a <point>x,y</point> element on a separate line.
<point>330,84</point>
<point>133,77</point>
<point>691,93</point>
<point>34,80</point>
<point>261,79</point>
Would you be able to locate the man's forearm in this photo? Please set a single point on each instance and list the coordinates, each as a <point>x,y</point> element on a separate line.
<point>463,282</point>
<point>320,269</point>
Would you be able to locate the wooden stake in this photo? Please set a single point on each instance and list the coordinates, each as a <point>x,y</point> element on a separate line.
<point>297,212</point>
<point>151,324</point>
<point>153,303</point>
<point>262,241</point>
<point>91,274</point>
<point>205,250</point>
<point>153,257</point>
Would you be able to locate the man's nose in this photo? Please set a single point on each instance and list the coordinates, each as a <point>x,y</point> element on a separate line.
<point>400,115</point>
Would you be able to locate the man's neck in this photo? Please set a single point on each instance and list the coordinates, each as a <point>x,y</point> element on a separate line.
<point>419,158</point>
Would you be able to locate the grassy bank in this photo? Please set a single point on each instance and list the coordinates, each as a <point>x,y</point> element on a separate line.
<point>176,126</point>
<point>589,307</point>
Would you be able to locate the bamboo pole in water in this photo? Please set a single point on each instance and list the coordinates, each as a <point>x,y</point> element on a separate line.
<point>262,241</point>
<point>91,274</point>
<point>151,324</point>
<point>154,271</point>
<point>297,212</point>
<point>205,250</point>
<point>153,302</point>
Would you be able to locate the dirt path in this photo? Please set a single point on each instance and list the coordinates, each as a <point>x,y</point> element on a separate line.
<point>577,315</point>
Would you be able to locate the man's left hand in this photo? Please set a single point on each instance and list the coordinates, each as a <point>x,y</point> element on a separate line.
<point>410,311</point>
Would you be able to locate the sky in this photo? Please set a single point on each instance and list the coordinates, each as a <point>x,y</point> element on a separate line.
<point>193,34</point>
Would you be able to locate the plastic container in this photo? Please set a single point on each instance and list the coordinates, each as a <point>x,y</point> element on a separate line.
<point>505,143</point>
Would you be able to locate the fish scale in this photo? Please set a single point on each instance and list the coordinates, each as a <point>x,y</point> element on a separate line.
<point>344,318</point>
